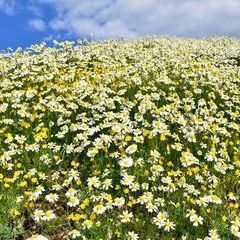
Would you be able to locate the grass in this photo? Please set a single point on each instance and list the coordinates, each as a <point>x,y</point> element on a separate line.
<point>121,140</point>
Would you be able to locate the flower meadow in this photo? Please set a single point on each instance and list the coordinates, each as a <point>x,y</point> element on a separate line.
<point>121,140</point>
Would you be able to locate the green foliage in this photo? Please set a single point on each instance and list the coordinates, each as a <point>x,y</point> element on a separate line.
<point>121,140</point>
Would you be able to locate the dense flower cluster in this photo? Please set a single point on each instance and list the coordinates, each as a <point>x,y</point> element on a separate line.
<point>121,140</point>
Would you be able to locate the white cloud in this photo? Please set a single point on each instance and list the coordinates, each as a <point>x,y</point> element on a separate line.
<point>7,6</point>
<point>133,18</point>
<point>36,11</point>
<point>37,24</point>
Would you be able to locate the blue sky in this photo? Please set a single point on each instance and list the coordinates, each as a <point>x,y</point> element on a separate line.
<point>25,22</point>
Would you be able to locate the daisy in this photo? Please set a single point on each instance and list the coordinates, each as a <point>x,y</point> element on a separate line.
<point>52,197</point>
<point>74,233</point>
<point>49,215</point>
<point>169,226</point>
<point>73,202</point>
<point>132,235</point>
<point>126,216</point>
<point>38,214</point>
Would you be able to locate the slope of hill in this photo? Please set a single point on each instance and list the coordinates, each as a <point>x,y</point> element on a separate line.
<point>121,140</point>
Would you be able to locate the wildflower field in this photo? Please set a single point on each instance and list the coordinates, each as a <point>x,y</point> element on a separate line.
<point>121,140</point>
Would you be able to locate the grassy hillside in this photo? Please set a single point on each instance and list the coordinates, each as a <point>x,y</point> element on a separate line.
<point>121,140</point>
